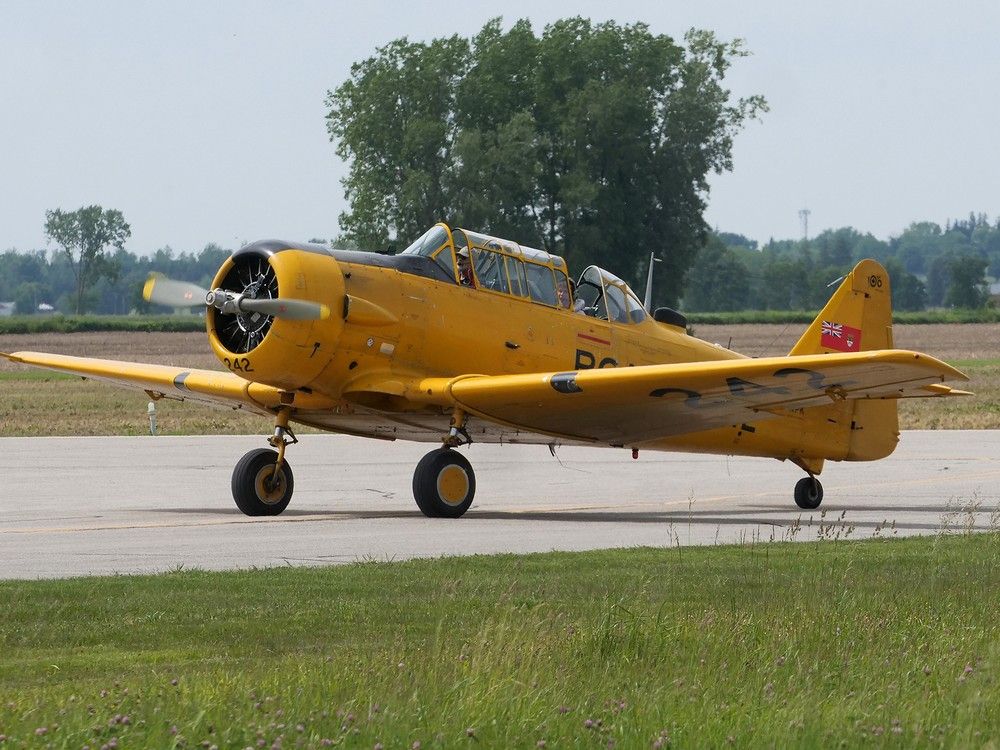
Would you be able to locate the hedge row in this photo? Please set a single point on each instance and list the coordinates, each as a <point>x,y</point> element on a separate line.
<point>78,323</point>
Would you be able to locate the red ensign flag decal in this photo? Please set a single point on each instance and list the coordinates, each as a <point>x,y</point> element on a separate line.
<point>840,337</point>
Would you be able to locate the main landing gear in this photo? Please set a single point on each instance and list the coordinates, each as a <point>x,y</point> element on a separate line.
<point>808,493</point>
<point>262,480</point>
<point>444,484</point>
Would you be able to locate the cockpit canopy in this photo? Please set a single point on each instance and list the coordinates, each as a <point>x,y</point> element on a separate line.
<point>505,267</point>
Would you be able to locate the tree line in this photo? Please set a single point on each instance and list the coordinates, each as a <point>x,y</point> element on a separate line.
<point>930,266</point>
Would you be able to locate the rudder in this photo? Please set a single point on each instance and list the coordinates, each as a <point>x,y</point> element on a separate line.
<point>858,317</point>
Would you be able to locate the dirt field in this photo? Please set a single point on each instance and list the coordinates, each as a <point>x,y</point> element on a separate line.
<point>35,402</point>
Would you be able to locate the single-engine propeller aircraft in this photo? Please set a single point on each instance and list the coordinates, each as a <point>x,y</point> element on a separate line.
<point>466,338</point>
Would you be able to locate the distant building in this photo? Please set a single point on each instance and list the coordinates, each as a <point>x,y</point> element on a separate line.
<point>46,309</point>
<point>6,309</point>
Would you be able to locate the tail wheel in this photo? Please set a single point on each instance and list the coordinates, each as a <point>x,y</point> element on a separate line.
<point>808,493</point>
<point>444,484</point>
<point>256,489</point>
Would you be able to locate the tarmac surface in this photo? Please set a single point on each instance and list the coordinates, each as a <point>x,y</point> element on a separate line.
<point>82,506</point>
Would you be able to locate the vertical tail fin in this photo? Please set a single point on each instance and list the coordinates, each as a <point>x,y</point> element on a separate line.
<point>858,317</point>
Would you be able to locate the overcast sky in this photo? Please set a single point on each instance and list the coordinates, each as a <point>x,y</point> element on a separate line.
<point>204,121</point>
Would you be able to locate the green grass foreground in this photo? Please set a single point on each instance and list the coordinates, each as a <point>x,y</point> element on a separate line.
<point>885,642</point>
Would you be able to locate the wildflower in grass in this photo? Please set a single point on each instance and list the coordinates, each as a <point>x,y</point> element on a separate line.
<point>540,743</point>
<point>415,745</point>
<point>589,723</point>
<point>564,709</point>
<point>378,746</point>
<point>41,731</point>
<point>470,732</point>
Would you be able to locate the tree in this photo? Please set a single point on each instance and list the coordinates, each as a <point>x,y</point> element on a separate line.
<point>84,236</point>
<point>593,141</point>
<point>717,280</point>
<point>967,285</point>
<point>908,292</point>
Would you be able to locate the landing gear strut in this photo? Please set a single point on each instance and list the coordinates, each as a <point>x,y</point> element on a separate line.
<point>808,493</point>
<point>262,480</point>
<point>444,484</point>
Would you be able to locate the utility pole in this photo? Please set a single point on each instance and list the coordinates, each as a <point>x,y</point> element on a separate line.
<point>804,217</point>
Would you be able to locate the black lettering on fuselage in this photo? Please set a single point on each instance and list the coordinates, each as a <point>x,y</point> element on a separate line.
<point>586,361</point>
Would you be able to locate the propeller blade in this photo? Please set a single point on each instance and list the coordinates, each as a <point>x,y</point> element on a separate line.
<point>289,309</point>
<point>164,291</point>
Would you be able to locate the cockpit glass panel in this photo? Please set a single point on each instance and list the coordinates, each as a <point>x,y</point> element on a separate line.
<point>617,309</point>
<point>483,240</point>
<point>541,284</point>
<point>515,270</point>
<point>446,259</point>
<point>636,311</point>
<point>591,291</point>
<point>430,241</point>
<point>490,270</point>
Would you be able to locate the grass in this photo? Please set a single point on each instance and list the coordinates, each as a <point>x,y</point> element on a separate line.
<point>813,644</point>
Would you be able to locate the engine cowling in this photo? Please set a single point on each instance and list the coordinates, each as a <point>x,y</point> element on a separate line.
<point>287,354</point>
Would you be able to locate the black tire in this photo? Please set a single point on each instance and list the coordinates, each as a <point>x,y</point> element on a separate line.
<point>808,493</point>
<point>249,489</point>
<point>444,484</point>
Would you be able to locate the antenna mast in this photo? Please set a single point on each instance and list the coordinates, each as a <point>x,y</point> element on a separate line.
<point>804,216</point>
<point>649,281</point>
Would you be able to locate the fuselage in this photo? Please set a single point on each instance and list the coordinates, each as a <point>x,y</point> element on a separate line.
<point>398,320</point>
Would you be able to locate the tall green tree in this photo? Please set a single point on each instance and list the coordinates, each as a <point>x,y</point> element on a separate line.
<point>593,141</point>
<point>967,285</point>
<point>85,235</point>
<point>717,280</point>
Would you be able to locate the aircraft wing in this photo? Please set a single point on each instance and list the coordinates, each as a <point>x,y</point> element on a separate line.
<point>162,381</point>
<point>630,404</point>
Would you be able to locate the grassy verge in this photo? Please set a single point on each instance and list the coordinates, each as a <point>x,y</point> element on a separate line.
<point>890,641</point>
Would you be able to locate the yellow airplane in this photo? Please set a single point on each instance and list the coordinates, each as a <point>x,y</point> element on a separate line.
<point>466,338</point>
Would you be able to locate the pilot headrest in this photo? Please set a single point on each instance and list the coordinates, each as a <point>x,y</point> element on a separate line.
<point>463,253</point>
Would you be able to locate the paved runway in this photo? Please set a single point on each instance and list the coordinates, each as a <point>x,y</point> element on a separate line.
<point>76,506</point>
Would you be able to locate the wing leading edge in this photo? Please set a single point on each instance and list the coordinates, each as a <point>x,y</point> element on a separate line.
<point>632,404</point>
<point>162,381</point>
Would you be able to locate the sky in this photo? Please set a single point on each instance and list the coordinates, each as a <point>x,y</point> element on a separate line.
<point>204,121</point>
